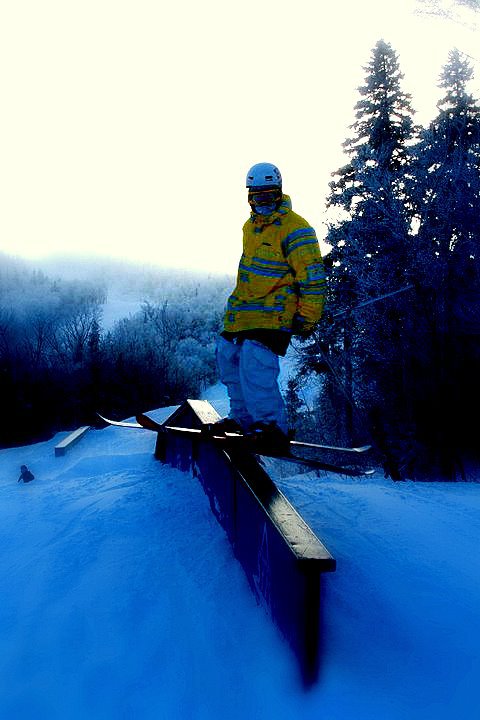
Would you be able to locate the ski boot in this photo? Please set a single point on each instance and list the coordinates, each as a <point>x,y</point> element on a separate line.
<point>267,438</point>
<point>222,427</point>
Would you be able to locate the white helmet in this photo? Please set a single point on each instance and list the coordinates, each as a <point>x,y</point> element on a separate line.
<point>264,175</point>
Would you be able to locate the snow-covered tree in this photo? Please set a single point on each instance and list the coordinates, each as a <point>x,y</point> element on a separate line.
<point>447,179</point>
<point>446,196</point>
<point>369,235</point>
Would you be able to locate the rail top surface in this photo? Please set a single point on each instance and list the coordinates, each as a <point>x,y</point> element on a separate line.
<point>298,535</point>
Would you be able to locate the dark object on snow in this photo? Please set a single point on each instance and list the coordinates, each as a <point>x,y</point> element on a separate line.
<point>25,475</point>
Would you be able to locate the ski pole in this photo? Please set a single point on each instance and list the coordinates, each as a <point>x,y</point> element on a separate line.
<point>363,304</point>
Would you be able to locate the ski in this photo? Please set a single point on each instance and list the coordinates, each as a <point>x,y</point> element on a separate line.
<point>150,424</point>
<point>335,448</point>
<point>121,423</point>
<point>320,465</point>
<point>236,441</point>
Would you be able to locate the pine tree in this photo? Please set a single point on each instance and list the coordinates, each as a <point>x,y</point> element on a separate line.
<point>447,175</point>
<point>446,194</point>
<point>369,235</point>
<point>369,238</point>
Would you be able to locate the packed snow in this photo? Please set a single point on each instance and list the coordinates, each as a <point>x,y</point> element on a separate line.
<point>121,597</point>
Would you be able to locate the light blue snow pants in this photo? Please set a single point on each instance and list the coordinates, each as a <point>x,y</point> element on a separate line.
<point>250,372</point>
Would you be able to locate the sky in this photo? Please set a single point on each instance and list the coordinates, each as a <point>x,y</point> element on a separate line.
<point>129,127</point>
<point>109,611</point>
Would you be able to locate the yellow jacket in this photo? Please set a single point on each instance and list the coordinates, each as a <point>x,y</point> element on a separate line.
<point>280,275</point>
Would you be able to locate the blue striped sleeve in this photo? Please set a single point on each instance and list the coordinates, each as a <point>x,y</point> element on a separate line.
<point>297,238</point>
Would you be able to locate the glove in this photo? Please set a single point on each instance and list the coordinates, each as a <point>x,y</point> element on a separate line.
<point>301,327</point>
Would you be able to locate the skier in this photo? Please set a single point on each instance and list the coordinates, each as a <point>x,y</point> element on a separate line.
<point>25,475</point>
<point>279,293</point>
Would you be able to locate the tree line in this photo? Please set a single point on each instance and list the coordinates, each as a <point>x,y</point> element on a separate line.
<point>59,367</point>
<point>399,352</point>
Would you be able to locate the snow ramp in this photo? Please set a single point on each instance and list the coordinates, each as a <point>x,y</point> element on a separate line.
<point>282,557</point>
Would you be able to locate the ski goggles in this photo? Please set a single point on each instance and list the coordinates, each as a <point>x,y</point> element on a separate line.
<point>264,197</point>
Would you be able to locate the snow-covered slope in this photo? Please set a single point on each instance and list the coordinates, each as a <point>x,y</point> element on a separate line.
<point>121,598</point>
